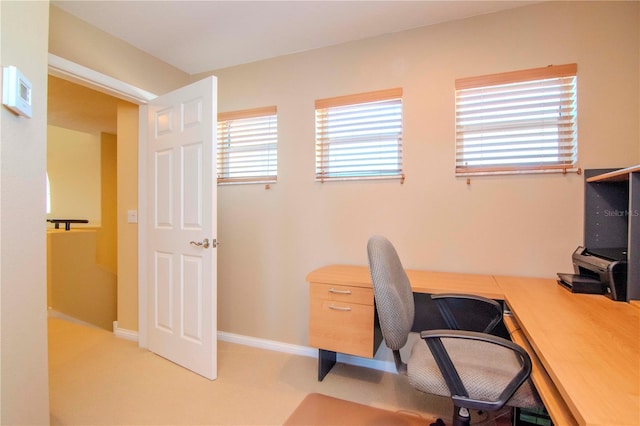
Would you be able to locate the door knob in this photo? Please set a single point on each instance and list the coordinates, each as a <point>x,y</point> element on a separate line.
<point>204,243</point>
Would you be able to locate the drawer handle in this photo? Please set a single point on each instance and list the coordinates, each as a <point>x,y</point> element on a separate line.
<point>340,308</point>
<point>333,290</point>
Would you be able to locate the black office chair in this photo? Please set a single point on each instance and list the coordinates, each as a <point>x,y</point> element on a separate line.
<point>477,370</point>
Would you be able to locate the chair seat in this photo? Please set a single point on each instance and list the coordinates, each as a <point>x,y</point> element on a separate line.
<point>484,368</point>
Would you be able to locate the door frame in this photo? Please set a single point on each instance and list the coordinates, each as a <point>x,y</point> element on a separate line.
<point>76,73</point>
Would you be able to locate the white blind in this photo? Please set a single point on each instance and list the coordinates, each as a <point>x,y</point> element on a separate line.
<point>359,136</point>
<point>523,121</point>
<point>248,146</point>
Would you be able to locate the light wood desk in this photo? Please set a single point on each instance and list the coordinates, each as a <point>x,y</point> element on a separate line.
<point>342,315</point>
<point>588,345</point>
<point>421,281</point>
<point>585,348</point>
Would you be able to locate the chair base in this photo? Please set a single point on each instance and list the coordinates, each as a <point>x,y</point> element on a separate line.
<point>461,416</point>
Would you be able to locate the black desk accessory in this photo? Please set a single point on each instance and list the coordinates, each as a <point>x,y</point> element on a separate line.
<point>581,284</point>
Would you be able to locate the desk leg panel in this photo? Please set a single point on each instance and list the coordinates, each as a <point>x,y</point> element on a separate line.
<point>326,361</point>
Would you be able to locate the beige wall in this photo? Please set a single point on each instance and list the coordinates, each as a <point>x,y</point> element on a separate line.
<point>522,225</point>
<point>525,225</point>
<point>74,168</point>
<point>79,42</point>
<point>24,388</point>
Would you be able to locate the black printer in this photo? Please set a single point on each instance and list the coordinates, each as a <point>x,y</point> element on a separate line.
<point>598,271</point>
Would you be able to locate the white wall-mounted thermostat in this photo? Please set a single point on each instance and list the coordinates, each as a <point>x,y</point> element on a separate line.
<point>16,91</point>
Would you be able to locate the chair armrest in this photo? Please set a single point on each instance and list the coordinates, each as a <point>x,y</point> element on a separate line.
<point>491,315</point>
<point>452,378</point>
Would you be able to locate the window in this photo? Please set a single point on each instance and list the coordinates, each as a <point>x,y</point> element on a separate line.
<point>522,121</point>
<point>359,136</point>
<point>247,146</point>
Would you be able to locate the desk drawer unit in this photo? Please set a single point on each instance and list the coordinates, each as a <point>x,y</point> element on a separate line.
<point>343,319</point>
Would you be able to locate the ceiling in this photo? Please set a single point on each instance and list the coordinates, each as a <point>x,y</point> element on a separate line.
<point>200,36</point>
<point>79,108</point>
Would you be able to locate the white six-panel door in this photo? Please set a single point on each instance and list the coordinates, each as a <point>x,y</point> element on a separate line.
<point>181,230</point>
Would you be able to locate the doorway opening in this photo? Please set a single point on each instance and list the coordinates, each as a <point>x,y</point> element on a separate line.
<point>81,171</point>
<point>84,107</point>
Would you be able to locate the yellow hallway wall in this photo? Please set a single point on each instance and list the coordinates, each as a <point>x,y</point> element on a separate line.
<point>127,232</point>
<point>74,168</point>
<point>79,286</point>
<point>107,241</point>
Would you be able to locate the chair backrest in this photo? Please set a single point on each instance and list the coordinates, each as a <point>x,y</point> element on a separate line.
<point>392,292</point>
<point>471,313</point>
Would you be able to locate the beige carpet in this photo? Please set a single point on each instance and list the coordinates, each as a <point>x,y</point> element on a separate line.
<point>98,379</point>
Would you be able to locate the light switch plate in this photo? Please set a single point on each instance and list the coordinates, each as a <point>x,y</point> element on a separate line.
<point>132,216</point>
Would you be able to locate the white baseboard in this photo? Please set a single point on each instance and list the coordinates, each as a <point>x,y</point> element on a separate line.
<point>273,345</point>
<point>52,313</point>
<point>375,364</point>
<point>124,333</point>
